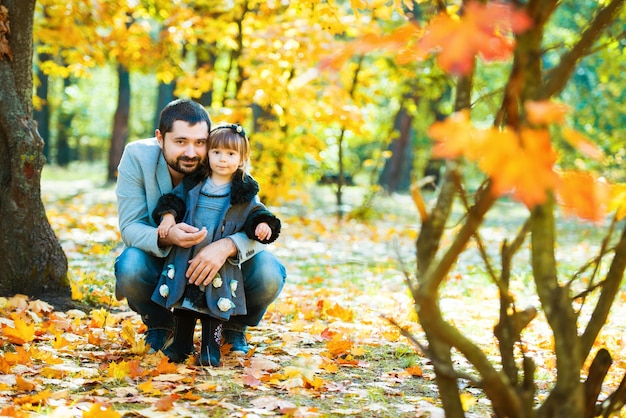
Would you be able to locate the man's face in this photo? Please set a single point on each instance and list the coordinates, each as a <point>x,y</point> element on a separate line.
<point>185,147</point>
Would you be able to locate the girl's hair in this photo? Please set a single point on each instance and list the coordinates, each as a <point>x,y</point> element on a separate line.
<point>231,136</point>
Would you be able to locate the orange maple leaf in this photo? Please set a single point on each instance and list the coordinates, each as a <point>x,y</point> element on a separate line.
<point>166,402</point>
<point>415,371</point>
<point>456,136</point>
<point>165,366</point>
<point>24,385</point>
<point>5,366</point>
<point>582,144</point>
<point>583,195</point>
<point>338,346</point>
<point>20,356</point>
<point>135,369</point>
<point>483,29</point>
<point>21,333</point>
<point>545,112</point>
<point>520,163</point>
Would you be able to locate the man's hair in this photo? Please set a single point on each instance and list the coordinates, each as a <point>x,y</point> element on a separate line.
<point>185,110</point>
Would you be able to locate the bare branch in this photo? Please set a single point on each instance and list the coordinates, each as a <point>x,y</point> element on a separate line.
<point>557,77</point>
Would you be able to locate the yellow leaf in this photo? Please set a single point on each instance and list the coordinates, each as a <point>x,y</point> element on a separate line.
<point>617,201</point>
<point>357,351</point>
<point>99,318</point>
<point>97,411</point>
<point>39,398</point>
<point>118,371</point>
<point>340,312</point>
<point>21,334</point>
<point>147,387</point>
<point>129,332</point>
<point>467,401</point>
<point>59,341</point>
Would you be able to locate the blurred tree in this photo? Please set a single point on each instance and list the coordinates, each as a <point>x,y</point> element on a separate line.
<point>34,262</point>
<point>518,157</point>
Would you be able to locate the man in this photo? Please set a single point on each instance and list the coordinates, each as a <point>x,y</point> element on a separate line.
<point>150,168</point>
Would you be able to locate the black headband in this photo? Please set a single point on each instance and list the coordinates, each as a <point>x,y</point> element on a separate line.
<point>235,127</point>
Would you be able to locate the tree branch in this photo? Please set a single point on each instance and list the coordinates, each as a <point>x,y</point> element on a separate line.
<point>607,297</point>
<point>557,77</point>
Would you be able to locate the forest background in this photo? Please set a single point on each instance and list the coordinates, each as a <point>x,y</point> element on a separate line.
<point>344,94</point>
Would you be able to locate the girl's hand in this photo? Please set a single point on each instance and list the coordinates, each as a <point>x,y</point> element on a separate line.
<point>263,231</point>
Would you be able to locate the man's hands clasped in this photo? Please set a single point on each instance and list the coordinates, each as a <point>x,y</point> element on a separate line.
<point>207,262</point>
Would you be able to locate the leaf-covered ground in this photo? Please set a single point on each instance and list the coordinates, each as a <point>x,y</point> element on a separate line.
<point>323,349</point>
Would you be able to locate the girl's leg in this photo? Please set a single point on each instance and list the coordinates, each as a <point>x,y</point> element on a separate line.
<point>182,346</point>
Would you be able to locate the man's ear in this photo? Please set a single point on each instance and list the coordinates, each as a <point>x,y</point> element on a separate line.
<point>159,137</point>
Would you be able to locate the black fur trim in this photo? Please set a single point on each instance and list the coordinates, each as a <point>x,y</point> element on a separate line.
<point>169,203</point>
<point>260,216</point>
<point>243,189</point>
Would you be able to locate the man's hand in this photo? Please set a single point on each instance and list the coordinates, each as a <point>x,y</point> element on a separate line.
<point>207,262</point>
<point>183,235</point>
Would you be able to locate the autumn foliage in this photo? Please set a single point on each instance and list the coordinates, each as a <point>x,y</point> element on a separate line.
<point>267,64</point>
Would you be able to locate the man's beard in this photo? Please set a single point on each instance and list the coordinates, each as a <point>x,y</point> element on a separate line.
<point>178,167</point>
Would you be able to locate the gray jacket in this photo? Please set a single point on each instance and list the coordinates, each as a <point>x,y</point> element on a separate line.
<point>143,177</point>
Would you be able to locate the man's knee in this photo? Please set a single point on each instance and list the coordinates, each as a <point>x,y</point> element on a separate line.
<point>264,277</point>
<point>134,268</point>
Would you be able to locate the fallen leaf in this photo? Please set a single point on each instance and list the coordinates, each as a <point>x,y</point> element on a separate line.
<point>21,333</point>
<point>166,402</point>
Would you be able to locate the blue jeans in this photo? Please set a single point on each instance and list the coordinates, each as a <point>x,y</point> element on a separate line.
<point>137,274</point>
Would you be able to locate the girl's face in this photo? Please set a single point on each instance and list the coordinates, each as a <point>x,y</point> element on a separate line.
<point>223,162</point>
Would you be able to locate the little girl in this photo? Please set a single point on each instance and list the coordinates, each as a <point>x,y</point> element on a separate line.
<point>223,199</point>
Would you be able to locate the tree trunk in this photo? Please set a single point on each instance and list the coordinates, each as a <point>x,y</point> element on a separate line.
<point>396,175</point>
<point>120,123</point>
<point>34,263</point>
<point>65,153</point>
<point>165,95</point>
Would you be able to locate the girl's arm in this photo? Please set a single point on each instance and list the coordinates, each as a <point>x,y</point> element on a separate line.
<point>258,217</point>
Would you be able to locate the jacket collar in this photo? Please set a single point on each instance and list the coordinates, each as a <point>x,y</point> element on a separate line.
<point>242,190</point>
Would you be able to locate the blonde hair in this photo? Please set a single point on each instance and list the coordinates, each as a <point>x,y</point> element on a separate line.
<point>233,137</point>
